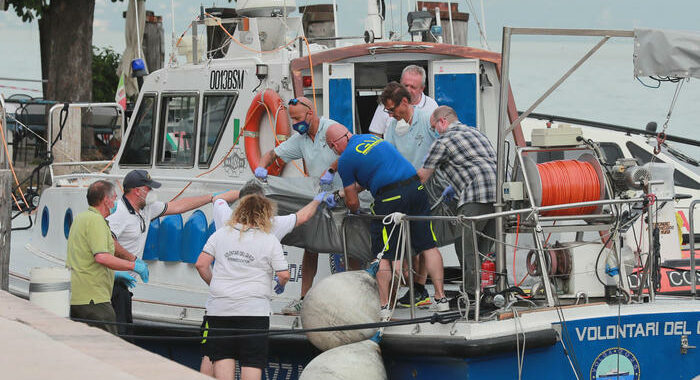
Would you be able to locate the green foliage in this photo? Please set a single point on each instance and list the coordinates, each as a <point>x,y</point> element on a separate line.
<point>104,74</point>
<point>28,10</point>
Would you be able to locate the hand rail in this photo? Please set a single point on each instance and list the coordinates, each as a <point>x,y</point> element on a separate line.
<point>691,238</point>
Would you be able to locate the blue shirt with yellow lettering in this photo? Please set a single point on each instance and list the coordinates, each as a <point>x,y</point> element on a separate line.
<point>373,163</point>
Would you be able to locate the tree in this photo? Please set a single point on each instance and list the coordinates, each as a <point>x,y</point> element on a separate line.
<point>104,74</point>
<point>65,39</point>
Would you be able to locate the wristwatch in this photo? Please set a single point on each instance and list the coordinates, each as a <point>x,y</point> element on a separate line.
<point>331,170</point>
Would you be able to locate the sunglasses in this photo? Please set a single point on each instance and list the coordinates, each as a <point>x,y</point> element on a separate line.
<point>295,101</point>
<point>390,110</point>
<point>332,143</point>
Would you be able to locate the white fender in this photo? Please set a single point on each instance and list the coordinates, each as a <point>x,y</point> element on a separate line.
<point>361,360</point>
<point>341,299</point>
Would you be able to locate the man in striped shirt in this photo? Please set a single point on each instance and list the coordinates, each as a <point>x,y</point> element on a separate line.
<point>467,158</point>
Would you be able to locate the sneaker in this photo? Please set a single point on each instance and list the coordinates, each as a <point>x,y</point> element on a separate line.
<point>441,304</point>
<point>293,308</point>
<point>422,299</point>
<point>385,313</point>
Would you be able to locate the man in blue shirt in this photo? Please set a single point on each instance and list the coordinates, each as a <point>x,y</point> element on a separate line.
<point>409,132</point>
<point>366,161</point>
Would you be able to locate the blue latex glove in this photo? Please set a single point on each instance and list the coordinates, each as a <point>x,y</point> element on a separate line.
<point>218,193</point>
<point>327,178</point>
<point>141,268</point>
<point>330,200</point>
<point>125,278</point>
<point>279,288</point>
<point>320,196</point>
<point>448,194</point>
<point>373,268</point>
<point>261,172</point>
<point>376,338</point>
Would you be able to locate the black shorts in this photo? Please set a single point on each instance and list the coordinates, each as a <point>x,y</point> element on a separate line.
<point>250,351</point>
<point>409,199</point>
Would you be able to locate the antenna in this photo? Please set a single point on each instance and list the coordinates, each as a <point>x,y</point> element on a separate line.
<point>138,33</point>
<point>335,18</point>
<point>172,34</point>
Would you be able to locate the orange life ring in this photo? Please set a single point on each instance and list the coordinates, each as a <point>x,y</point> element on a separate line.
<point>251,130</point>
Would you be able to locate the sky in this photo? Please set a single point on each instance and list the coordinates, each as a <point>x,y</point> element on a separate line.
<point>20,41</point>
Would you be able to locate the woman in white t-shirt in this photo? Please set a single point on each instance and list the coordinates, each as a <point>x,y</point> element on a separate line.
<point>245,256</point>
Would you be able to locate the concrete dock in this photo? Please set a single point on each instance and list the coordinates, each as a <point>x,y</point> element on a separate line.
<point>36,344</point>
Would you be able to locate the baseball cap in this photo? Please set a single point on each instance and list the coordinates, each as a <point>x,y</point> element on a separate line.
<point>137,178</point>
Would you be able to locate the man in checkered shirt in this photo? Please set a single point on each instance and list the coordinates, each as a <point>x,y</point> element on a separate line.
<point>467,158</point>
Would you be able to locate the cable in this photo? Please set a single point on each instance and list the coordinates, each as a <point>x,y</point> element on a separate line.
<point>274,131</point>
<point>12,167</point>
<point>568,181</point>
<point>443,318</point>
<point>515,250</point>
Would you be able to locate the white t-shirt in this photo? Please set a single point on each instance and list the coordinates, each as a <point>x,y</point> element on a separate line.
<point>130,227</point>
<point>281,224</point>
<point>381,119</point>
<point>241,283</point>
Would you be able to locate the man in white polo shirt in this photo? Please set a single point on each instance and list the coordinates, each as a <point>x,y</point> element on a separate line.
<point>413,78</point>
<point>130,223</point>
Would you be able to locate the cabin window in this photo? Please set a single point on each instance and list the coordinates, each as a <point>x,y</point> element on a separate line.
<point>215,114</point>
<point>611,152</point>
<point>178,115</point>
<point>137,150</point>
<point>642,156</point>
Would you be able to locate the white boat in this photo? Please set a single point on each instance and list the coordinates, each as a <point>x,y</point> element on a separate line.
<point>190,130</point>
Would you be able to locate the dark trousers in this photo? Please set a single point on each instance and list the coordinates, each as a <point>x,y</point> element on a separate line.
<point>466,255</point>
<point>121,302</point>
<point>95,313</point>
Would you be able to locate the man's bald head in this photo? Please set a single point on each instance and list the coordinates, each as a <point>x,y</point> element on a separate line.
<point>302,109</point>
<point>337,137</point>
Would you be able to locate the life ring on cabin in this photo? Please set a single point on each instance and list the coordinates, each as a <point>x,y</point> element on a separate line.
<point>262,102</point>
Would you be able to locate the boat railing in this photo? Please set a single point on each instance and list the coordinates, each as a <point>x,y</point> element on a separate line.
<point>75,176</point>
<point>119,120</point>
<point>691,240</point>
<point>469,222</point>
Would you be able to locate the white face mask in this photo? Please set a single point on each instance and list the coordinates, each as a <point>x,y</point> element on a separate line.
<point>151,197</point>
<point>402,127</point>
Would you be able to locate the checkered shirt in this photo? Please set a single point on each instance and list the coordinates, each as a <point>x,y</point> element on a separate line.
<point>467,158</point>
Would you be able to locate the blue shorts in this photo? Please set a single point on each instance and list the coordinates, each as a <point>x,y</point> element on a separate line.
<point>409,199</point>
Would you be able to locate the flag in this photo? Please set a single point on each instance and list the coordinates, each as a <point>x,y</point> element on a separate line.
<point>120,96</point>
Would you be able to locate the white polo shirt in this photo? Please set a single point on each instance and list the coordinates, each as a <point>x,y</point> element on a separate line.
<point>381,119</point>
<point>281,224</point>
<point>130,227</point>
<point>245,261</point>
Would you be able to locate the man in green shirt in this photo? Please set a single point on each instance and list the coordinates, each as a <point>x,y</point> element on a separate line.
<point>91,259</point>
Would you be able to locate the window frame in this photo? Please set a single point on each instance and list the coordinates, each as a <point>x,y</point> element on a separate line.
<point>160,130</point>
<point>156,120</point>
<point>219,137</point>
<point>616,146</point>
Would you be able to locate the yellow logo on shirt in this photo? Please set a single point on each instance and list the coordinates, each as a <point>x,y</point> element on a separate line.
<point>365,146</point>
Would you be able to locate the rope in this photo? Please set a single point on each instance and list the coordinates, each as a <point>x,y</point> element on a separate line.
<point>12,168</point>
<point>661,136</point>
<point>568,181</point>
<point>274,130</point>
<point>432,319</point>
<point>38,136</point>
<point>172,54</point>
<point>313,85</point>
